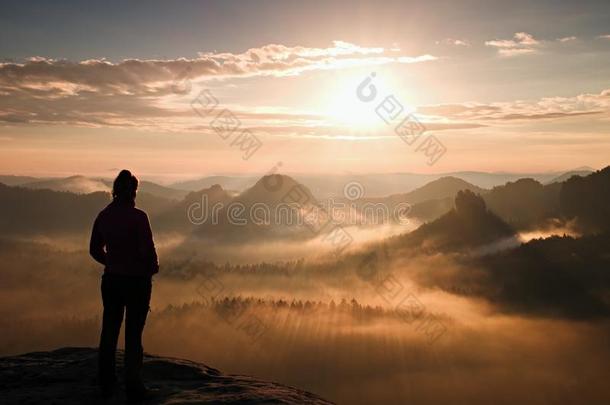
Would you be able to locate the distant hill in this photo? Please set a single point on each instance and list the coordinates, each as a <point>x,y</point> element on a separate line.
<point>556,277</point>
<point>84,185</point>
<point>445,187</point>
<point>430,210</point>
<point>274,189</point>
<point>587,199</point>
<point>11,180</point>
<point>153,204</point>
<point>238,183</point>
<point>427,202</point>
<point>74,184</point>
<point>488,180</point>
<point>271,208</point>
<point>156,190</point>
<point>468,225</point>
<point>525,203</point>
<point>29,212</point>
<point>184,215</point>
<point>32,212</point>
<point>325,186</point>
<point>375,185</point>
<point>565,176</point>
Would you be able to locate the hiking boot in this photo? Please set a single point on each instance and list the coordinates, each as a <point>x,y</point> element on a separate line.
<point>136,392</point>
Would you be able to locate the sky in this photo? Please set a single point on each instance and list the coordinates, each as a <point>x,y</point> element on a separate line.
<point>184,89</point>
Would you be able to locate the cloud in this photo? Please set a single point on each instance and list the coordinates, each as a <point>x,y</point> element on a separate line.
<point>516,116</point>
<point>154,77</point>
<point>607,36</point>
<point>142,93</point>
<point>567,39</point>
<point>522,43</point>
<point>131,92</point>
<point>525,39</point>
<point>515,51</point>
<point>90,109</point>
<point>334,131</point>
<point>454,42</point>
<point>544,108</point>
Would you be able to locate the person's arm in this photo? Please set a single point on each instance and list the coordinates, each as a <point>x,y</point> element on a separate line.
<point>146,246</point>
<point>96,244</point>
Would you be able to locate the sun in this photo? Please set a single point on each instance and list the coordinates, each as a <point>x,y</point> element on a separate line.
<point>344,108</point>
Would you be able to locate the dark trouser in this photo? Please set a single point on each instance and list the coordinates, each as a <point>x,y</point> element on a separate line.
<point>119,294</point>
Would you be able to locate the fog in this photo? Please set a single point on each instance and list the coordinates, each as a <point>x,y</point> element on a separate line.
<point>421,328</point>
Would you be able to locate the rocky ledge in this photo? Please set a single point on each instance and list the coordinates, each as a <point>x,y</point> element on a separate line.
<point>67,376</point>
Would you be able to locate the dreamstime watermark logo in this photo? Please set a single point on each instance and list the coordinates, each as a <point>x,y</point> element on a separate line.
<point>401,212</point>
<point>407,127</point>
<point>292,205</point>
<point>296,209</point>
<point>353,191</point>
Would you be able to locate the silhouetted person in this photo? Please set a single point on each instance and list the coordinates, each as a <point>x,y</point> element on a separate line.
<point>122,241</point>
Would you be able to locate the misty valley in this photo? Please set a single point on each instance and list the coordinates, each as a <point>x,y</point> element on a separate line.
<point>495,292</point>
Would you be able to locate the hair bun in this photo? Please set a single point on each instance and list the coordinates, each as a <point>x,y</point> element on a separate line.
<point>124,174</point>
<point>125,186</point>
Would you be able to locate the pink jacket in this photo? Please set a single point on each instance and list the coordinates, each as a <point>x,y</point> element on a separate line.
<point>122,240</point>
